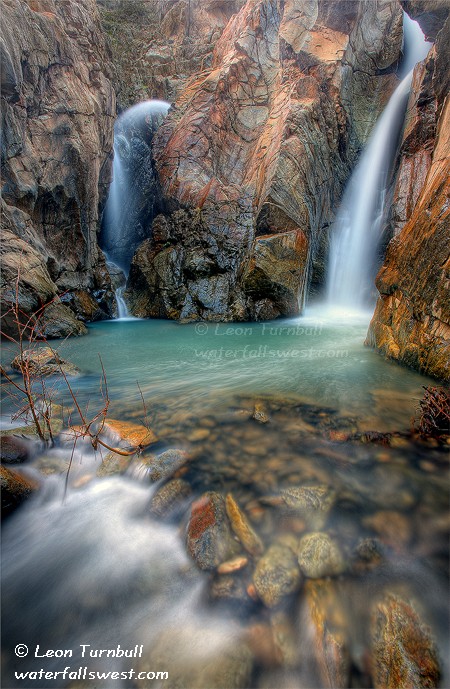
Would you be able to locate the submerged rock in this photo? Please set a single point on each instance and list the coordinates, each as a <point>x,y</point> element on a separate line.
<point>319,556</point>
<point>312,503</point>
<point>404,654</point>
<point>164,465</point>
<point>277,575</point>
<point>206,658</point>
<point>324,618</point>
<point>209,538</point>
<point>43,361</point>
<point>170,498</point>
<point>241,527</point>
<point>14,449</point>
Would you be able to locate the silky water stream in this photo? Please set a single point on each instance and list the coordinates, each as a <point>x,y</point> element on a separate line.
<point>99,568</point>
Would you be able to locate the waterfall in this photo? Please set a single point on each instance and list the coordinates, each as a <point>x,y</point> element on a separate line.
<point>357,229</point>
<point>133,193</point>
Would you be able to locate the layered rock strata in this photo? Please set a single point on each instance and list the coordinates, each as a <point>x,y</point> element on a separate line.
<point>256,154</point>
<point>411,323</point>
<point>58,111</point>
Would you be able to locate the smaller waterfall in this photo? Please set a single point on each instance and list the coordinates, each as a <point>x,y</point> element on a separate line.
<point>357,229</point>
<point>132,200</point>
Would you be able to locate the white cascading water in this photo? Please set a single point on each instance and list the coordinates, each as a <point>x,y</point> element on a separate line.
<point>356,233</point>
<point>118,213</point>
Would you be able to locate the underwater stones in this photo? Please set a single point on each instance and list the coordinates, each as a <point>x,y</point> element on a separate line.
<point>15,488</point>
<point>233,565</point>
<point>404,654</point>
<point>327,626</point>
<point>113,463</point>
<point>231,588</point>
<point>241,527</point>
<point>319,556</point>
<point>393,528</point>
<point>165,464</point>
<point>129,433</point>
<point>276,575</point>
<point>209,538</point>
<point>260,413</point>
<point>199,658</point>
<point>368,555</point>
<point>170,498</point>
<point>312,503</point>
<point>43,361</point>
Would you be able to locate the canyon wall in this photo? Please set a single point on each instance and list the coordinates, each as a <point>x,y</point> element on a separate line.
<point>58,110</point>
<point>411,323</point>
<point>254,158</point>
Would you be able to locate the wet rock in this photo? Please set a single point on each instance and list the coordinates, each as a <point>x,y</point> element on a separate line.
<point>404,654</point>
<point>261,643</point>
<point>170,498</point>
<point>129,434</point>
<point>231,588</point>
<point>113,463</point>
<point>284,638</point>
<point>43,361</point>
<point>312,503</point>
<point>198,434</point>
<point>393,528</point>
<point>319,556</point>
<point>276,575</point>
<point>164,465</point>
<point>368,555</point>
<point>233,565</point>
<point>206,658</point>
<point>326,624</point>
<point>15,488</point>
<point>260,413</point>
<point>209,538</point>
<point>241,527</point>
<point>14,449</point>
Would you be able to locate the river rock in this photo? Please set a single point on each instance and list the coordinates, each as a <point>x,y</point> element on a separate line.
<point>230,588</point>
<point>312,503</point>
<point>233,565</point>
<point>276,575</point>
<point>260,413</point>
<point>206,658</point>
<point>368,554</point>
<point>164,465</point>
<point>14,449</point>
<point>209,538</point>
<point>404,654</point>
<point>43,361</point>
<point>15,488</point>
<point>241,527</point>
<point>113,463</point>
<point>129,434</point>
<point>170,498</point>
<point>327,626</point>
<point>319,556</point>
<point>393,528</point>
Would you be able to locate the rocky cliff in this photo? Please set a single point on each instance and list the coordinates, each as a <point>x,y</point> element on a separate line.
<point>254,158</point>
<point>411,323</point>
<point>58,110</point>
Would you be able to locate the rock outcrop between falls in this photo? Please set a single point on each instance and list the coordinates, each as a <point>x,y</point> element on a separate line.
<point>254,158</point>
<point>58,110</point>
<point>411,323</point>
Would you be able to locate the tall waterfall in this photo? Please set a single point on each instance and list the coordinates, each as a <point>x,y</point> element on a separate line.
<point>356,232</point>
<point>133,193</point>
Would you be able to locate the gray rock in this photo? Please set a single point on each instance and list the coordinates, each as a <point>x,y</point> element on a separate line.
<point>319,556</point>
<point>276,575</point>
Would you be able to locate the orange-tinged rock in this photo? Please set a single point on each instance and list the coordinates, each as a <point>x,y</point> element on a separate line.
<point>241,527</point>
<point>133,434</point>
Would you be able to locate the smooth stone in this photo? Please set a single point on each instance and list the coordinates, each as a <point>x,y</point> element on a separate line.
<point>241,527</point>
<point>393,528</point>
<point>319,556</point>
<point>164,465</point>
<point>170,498</point>
<point>113,464</point>
<point>404,654</point>
<point>233,565</point>
<point>324,617</point>
<point>198,434</point>
<point>129,433</point>
<point>276,575</point>
<point>210,540</point>
<point>231,588</point>
<point>43,361</point>
<point>284,638</point>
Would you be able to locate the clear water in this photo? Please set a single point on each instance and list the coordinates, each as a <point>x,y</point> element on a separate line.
<point>95,568</point>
